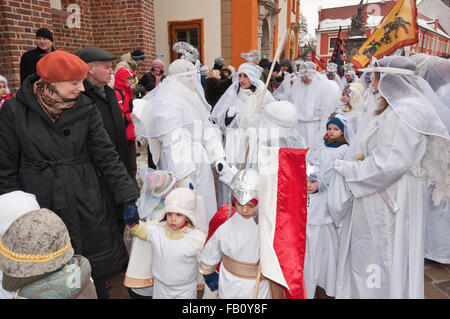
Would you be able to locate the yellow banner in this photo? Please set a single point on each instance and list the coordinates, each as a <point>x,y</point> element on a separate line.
<point>397,29</point>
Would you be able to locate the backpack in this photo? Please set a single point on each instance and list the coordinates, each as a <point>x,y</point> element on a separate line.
<point>130,107</point>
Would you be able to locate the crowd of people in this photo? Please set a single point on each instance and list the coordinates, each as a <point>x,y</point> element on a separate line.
<point>377,174</point>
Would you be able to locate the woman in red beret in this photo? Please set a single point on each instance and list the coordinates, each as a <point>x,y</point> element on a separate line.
<point>53,145</point>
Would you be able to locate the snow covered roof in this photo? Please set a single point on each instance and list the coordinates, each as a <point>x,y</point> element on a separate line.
<point>425,24</point>
<point>334,24</point>
<point>372,22</point>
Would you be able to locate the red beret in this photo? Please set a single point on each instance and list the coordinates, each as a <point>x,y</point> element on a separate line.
<point>61,66</point>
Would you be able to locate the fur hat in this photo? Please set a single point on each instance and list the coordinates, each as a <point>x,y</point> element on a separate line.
<point>35,244</point>
<point>44,33</point>
<point>229,68</point>
<point>181,201</point>
<point>61,66</point>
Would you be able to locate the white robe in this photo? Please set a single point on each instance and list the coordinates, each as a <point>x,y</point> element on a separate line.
<point>236,135</point>
<point>237,238</point>
<point>321,247</point>
<point>188,152</point>
<point>314,103</point>
<point>321,236</point>
<point>175,263</point>
<point>437,232</point>
<point>381,254</point>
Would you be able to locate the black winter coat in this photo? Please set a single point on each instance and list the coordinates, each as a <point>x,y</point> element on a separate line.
<point>148,80</point>
<point>113,122</point>
<point>28,62</point>
<point>59,163</point>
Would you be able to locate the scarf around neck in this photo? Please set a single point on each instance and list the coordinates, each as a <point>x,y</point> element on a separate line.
<point>334,142</point>
<point>50,101</point>
<point>157,77</point>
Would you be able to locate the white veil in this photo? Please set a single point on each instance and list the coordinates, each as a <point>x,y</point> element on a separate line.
<point>181,93</point>
<point>414,101</point>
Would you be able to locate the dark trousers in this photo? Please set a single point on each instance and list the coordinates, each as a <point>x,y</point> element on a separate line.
<point>132,149</point>
<point>100,288</point>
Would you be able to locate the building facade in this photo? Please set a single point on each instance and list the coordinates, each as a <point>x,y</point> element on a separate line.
<point>433,39</point>
<point>226,27</point>
<point>116,26</point>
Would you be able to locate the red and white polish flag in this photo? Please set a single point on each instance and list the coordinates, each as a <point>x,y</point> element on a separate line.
<point>282,217</point>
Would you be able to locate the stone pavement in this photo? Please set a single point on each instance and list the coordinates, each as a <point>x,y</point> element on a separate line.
<point>436,277</point>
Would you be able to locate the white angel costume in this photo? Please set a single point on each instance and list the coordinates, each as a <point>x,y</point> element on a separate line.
<point>240,106</point>
<point>314,103</point>
<point>174,117</point>
<point>436,71</point>
<point>382,250</point>
<point>235,244</point>
<point>356,112</point>
<point>321,241</point>
<point>156,185</point>
<point>321,236</point>
<point>175,252</point>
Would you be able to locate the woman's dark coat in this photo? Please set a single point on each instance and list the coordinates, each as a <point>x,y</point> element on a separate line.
<point>60,163</point>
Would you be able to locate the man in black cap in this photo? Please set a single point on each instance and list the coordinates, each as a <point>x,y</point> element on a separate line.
<point>96,87</point>
<point>29,59</point>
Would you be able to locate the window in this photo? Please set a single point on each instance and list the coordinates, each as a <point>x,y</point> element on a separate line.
<point>419,45</point>
<point>190,31</point>
<point>332,43</point>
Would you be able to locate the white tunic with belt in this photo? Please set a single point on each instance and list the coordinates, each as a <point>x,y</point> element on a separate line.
<point>237,238</point>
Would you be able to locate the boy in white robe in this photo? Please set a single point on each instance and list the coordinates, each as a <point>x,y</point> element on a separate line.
<point>176,246</point>
<point>235,244</point>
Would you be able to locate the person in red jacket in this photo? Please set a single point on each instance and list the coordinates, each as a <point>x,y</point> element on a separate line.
<point>5,93</point>
<point>124,83</point>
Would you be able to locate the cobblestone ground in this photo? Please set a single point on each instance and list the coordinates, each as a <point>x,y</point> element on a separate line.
<point>437,276</point>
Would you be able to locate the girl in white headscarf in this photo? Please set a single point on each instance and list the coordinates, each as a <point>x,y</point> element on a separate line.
<point>381,251</point>
<point>353,103</point>
<point>235,113</point>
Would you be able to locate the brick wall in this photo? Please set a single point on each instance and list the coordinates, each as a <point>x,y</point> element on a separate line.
<point>116,26</point>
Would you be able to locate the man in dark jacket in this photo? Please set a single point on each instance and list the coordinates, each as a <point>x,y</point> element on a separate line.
<point>29,59</point>
<point>96,87</point>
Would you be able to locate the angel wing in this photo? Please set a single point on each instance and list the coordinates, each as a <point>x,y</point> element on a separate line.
<point>436,167</point>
